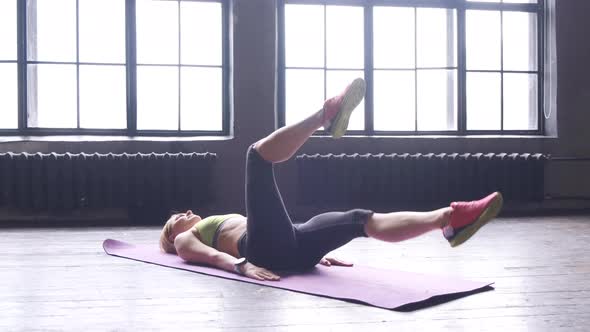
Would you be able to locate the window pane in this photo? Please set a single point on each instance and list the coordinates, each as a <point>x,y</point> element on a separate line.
<point>520,41</point>
<point>483,40</point>
<point>437,99</point>
<point>436,35</point>
<point>157,98</point>
<point>393,37</point>
<point>8,30</point>
<point>157,32</point>
<point>201,105</point>
<point>345,37</point>
<point>304,36</point>
<point>52,96</point>
<point>394,100</point>
<point>200,27</point>
<point>304,93</point>
<point>103,98</point>
<point>51,30</point>
<point>102,31</point>
<point>520,102</point>
<point>8,96</point>
<point>336,82</point>
<point>484,101</point>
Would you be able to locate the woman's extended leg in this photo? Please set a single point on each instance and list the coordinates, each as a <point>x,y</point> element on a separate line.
<point>400,226</point>
<point>459,221</point>
<point>328,231</point>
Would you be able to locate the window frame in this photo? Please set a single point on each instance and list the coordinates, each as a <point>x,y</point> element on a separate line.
<point>131,81</point>
<point>461,6</point>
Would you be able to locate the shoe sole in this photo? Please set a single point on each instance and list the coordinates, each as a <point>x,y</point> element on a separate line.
<point>488,214</point>
<point>352,98</point>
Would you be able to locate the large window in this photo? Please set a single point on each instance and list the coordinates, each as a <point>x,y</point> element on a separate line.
<point>130,67</point>
<point>432,67</point>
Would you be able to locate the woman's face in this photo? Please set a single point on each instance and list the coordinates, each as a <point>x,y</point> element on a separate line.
<point>182,222</point>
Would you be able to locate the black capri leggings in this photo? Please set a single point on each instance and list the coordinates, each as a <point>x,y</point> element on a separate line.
<point>273,241</point>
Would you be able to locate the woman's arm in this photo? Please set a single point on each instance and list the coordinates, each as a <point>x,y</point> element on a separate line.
<point>192,250</point>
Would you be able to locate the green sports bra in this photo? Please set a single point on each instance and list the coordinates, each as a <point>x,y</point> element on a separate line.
<point>207,229</point>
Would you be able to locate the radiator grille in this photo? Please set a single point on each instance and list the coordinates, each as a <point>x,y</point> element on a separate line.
<point>417,180</point>
<point>70,181</point>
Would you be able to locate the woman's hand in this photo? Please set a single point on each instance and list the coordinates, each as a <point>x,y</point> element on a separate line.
<point>329,261</point>
<point>252,271</point>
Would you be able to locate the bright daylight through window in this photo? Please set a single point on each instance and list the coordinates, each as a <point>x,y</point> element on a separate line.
<point>8,66</point>
<point>465,67</point>
<point>113,66</point>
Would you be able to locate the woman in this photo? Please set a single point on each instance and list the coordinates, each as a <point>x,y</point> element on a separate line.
<point>267,240</point>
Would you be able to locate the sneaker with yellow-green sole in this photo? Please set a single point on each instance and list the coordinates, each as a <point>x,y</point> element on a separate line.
<point>337,110</point>
<point>468,217</point>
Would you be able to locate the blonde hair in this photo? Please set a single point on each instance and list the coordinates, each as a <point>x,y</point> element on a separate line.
<point>165,244</point>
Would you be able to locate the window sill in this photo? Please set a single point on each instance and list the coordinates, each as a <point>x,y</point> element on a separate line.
<point>443,137</point>
<point>91,138</point>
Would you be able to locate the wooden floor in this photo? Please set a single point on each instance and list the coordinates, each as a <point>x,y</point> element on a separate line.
<point>60,279</point>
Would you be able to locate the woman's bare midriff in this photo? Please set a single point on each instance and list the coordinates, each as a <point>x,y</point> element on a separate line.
<point>229,235</point>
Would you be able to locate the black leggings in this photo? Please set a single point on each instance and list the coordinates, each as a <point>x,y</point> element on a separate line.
<point>273,241</point>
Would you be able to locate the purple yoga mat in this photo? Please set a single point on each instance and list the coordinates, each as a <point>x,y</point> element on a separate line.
<point>384,288</point>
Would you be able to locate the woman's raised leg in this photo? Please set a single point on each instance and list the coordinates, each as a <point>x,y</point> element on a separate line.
<point>271,240</point>
<point>284,142</point>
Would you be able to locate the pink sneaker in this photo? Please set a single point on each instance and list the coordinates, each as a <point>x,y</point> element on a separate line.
<point>337,110</point>
<point>468,217</point>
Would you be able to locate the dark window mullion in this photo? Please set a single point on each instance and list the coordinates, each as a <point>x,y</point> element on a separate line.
<point>332,68</point>
<point>369,104</point>
<point>21,11</point>
<point>396,3</point>
<point>451,59</point>
<point>41,62</point>
<point>282,107</point>
<point>502,71</point>
<point>131,57</point>
<point>541,67</point>
<point>179,65</point>
<point>225,24</point>
<point>325,51</point>
<point>415,69</point>
<point>78,64</point>
<point>519,7</point>
<point>164,64</point>
<point>462,74</point>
